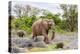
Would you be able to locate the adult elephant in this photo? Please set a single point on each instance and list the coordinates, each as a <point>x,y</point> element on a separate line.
<point>41,28</point>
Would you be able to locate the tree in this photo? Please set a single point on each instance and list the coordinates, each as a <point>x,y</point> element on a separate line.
<point>35,11</point>
<point>71,15</point>
<point>25,10</point>
<point>45,12</point>
<point>18,10</point>
<point>56,17</point>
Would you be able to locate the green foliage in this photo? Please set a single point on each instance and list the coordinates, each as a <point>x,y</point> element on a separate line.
<point>58,29</point>
<point>70,14</point>
<point>55,17</point>
<point>24,23</point>
<point>57,20</point>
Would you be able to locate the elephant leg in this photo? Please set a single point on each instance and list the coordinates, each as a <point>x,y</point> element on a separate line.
<point>46,40</point>
<point>45,34</point>
<point>53,35</point>
<point>34,38</point>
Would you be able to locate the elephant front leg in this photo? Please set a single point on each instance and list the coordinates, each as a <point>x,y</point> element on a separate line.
<point>34,37</point>
<point>45,34</point>
<point>46,40</point>
<point>53,35</point>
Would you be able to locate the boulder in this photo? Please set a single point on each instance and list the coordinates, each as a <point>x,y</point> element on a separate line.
<point>27,44</point>
<point>23,42</point>
<point>39,38</point>
<point>17,50</point>
<point>40,44</point>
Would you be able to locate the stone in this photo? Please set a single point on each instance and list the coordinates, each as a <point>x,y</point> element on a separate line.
<point>17,50</point>
<point>27,44</point>
<point>39,38</point>
<point>23,42</point>
<point>40,44</point>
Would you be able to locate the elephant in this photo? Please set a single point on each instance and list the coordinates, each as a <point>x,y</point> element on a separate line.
<point>41,27</point>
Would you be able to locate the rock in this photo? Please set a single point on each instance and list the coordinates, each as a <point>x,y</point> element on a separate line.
<point>39,38</point>
<point>17,50</point>
<point>19,40</point>
<point>40,44</point>
<point>39,41</point>
<point>27,44</point>
<point>23,42</point>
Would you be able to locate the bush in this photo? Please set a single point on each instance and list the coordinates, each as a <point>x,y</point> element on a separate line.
<point>23,23</point>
